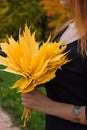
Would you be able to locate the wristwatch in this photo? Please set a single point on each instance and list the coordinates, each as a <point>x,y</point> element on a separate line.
<point>76,110</point>
<point>76,113</point>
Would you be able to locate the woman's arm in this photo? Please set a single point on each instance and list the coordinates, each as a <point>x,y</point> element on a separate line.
<point>40,102</point>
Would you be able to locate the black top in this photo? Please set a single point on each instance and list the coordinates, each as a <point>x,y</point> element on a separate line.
<point>69,86</point>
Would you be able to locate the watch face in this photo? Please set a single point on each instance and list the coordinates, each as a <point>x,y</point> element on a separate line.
<point>77,110</point>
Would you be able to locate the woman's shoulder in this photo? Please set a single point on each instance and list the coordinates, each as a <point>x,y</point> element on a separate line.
<point>58,33</point>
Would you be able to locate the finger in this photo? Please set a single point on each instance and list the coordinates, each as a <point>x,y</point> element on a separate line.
<point>29,94</point>
<point>26,104</point>
<point>25,99</point>
<point>26,95</point>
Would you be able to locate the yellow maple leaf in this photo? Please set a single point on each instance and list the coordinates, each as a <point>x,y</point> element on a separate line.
<point>35,65</point>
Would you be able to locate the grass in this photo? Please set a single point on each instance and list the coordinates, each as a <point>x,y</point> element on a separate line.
<point>10,100</point>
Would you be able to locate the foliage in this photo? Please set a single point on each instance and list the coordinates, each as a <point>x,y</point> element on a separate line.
<point>14,15</point>
<point>56,12</point>
<point>3,22</point>
<point>42,15</point>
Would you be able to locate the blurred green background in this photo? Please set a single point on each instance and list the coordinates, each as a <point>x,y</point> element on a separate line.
<point>42,16</point>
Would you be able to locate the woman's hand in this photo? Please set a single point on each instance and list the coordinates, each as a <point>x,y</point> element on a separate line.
<point>37,100</point>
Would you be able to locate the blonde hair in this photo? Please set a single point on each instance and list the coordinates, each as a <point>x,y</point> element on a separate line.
<point>79,15</point>
<point>79,12</point>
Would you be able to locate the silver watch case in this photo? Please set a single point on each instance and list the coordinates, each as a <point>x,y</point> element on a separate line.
<point>77,110</point>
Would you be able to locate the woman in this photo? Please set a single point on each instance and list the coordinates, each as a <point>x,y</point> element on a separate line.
<point>65,105</point>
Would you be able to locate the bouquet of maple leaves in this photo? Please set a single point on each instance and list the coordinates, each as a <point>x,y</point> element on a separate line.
<point>36,65</point>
